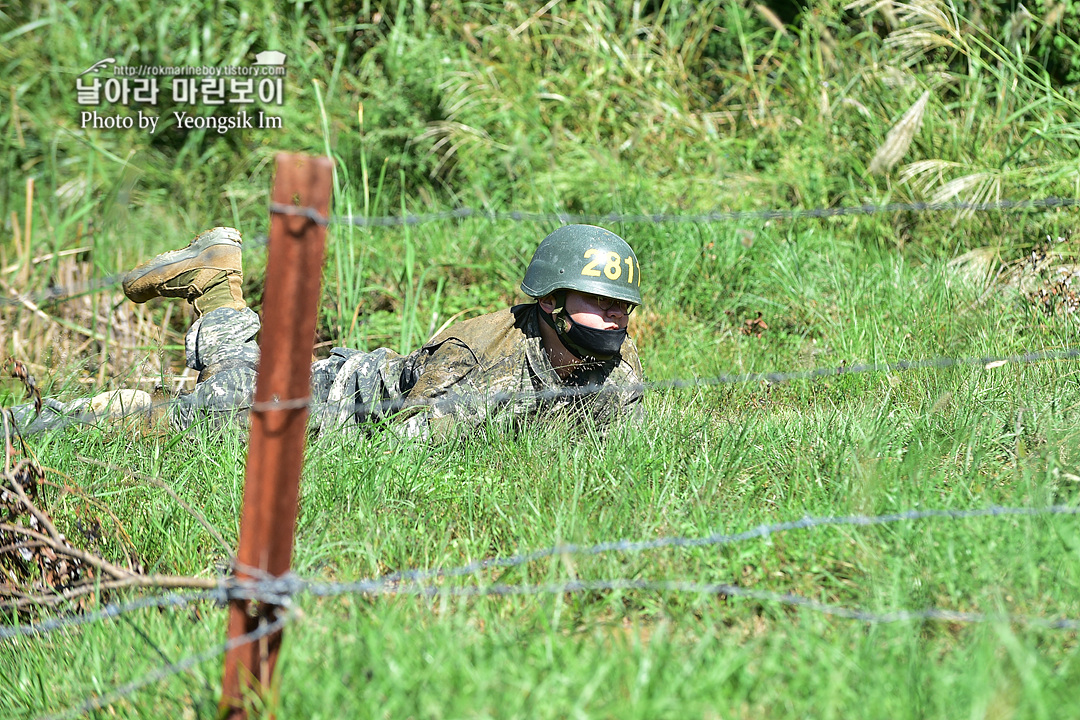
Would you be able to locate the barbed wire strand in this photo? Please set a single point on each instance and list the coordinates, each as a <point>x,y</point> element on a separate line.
<point>59,293</point>
<point>761,531</point>
<point>99,702</point>
<point>292,585</point>
<point>281,590</point>
<point>635,218</point>
<point>220,596</point>
<point>570,586</point>
<point>288,586</point>
<point>278,590</point>
<point>57,420</point>
<point>575,586</point>
<point>449,400</point>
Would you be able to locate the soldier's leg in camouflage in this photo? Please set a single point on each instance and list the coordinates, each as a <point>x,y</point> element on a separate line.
<point>347,386</point>
<point>221,346</point>
<point>25,419</point>
<point>54,415</point>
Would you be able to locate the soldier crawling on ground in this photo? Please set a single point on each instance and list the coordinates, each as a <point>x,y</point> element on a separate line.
<point>568,352</point>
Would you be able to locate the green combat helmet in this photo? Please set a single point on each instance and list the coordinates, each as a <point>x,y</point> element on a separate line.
<point>590,260</point>
<point>585,258</point>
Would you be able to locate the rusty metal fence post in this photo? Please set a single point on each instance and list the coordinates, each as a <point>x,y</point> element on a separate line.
<point>276,446</point>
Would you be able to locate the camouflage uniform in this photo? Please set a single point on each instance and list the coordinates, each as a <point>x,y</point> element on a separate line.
<point>491,367</point>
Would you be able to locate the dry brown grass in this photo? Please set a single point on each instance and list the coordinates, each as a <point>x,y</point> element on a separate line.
<point>92,340</point>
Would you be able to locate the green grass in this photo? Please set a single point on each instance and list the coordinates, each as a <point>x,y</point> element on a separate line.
<point>586,108</point>
<point>723,459</point>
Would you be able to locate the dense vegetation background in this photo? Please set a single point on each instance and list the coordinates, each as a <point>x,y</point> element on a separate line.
<point>505,104</point>
<point>590,107</point>
<point>577,107</point>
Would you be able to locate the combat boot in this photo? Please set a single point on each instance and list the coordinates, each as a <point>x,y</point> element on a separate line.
<point>208,273</point>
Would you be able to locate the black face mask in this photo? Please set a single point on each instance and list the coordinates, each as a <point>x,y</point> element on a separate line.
<point>585,342</point>
<point>600,344</point>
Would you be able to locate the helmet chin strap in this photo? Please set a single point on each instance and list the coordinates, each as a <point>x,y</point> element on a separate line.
<point>584,343</point>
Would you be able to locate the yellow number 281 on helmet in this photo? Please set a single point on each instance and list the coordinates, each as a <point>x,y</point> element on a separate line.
<point>585,258</point>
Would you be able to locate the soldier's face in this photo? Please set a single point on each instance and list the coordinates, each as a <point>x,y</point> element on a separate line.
<point>585,310</point>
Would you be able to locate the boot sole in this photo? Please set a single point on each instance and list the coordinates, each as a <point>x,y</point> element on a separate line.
<point>203,252</point>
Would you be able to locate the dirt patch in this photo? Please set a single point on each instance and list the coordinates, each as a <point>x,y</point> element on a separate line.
<point>1047,277</point>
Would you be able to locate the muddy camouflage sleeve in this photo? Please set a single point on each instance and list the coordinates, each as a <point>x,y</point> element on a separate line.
<point>443,385</point>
